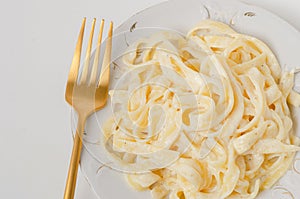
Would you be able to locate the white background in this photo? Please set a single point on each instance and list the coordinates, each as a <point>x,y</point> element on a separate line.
<point>37,41</point>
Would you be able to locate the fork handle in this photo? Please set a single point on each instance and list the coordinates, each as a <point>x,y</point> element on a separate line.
<point>74,162</point>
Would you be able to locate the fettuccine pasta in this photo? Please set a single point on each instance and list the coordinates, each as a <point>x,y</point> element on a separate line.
<point>207,115</point>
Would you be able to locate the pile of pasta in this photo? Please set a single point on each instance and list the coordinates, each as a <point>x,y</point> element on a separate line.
<point>205,116</point>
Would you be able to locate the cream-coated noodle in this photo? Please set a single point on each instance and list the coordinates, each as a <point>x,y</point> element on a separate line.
<point>215,102</point>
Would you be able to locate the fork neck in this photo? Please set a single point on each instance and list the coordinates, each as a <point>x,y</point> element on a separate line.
<point>81,124</point>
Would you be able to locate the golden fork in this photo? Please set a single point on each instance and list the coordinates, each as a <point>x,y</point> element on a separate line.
<point>86,95</point>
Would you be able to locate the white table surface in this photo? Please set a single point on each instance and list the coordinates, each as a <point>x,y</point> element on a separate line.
<point>37,41</point>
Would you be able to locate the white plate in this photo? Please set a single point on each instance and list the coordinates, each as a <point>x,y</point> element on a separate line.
<point>180,16</point>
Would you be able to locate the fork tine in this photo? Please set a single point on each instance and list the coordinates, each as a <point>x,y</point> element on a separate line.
<point>96,59</point>
<point>73,74</point>
<point>105,72</point>
<point>88,55</point>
